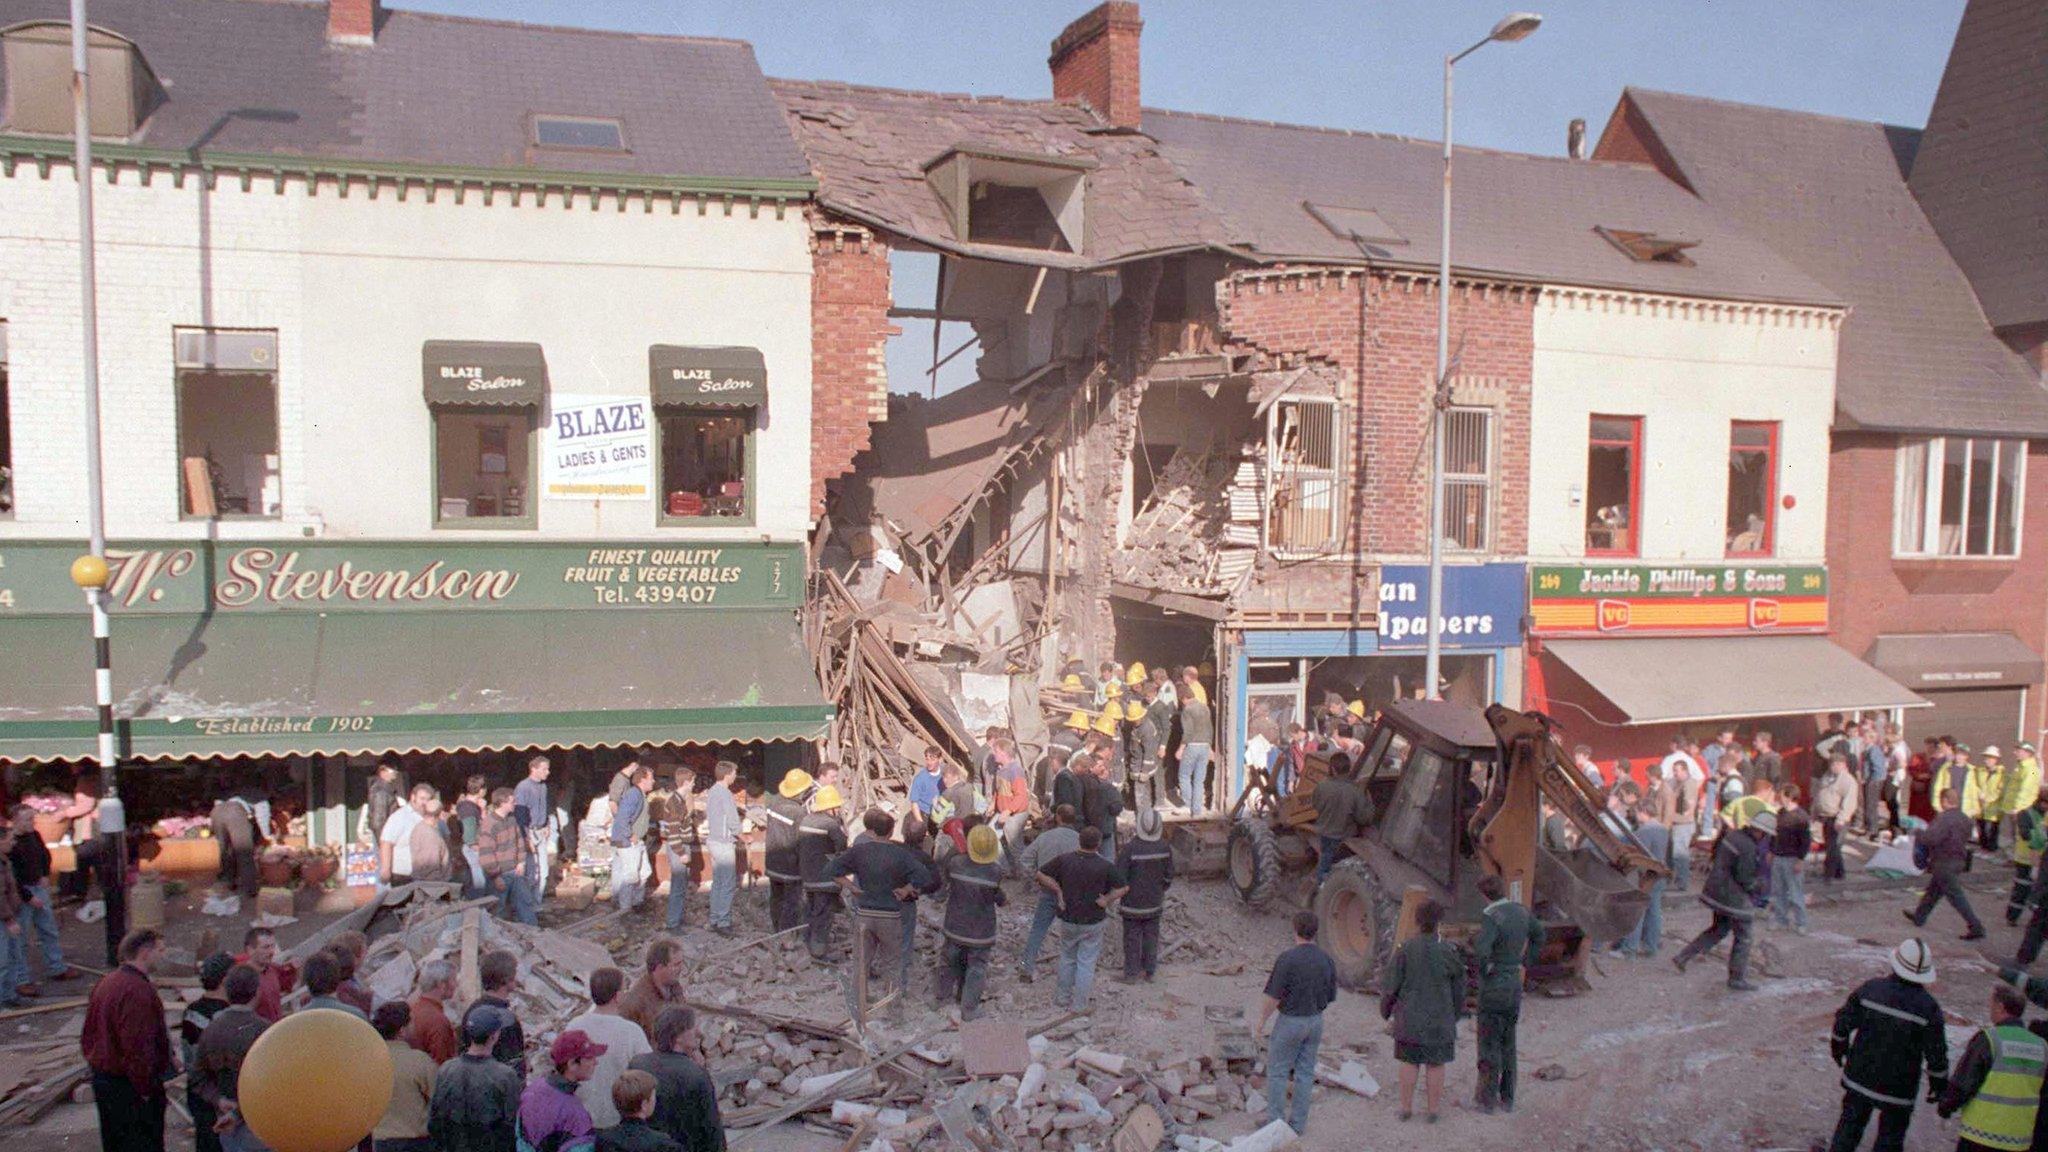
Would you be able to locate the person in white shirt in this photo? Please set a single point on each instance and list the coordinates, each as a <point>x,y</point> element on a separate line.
<point>622,1040</point>
<point>394,843</point>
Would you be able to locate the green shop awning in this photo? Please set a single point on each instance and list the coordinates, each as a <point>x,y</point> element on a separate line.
<point>480,372</point>
<point>307,683</point>
<point>719,377</point>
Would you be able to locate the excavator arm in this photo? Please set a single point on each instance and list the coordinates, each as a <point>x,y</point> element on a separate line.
<point>1603,884</point>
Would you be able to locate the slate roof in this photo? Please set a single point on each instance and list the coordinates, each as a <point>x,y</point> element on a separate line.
<point>258,76</point>
<point>1982,169</point>
<point>1515,215</point>
<point>1830,194</point>
<point>869,147</point>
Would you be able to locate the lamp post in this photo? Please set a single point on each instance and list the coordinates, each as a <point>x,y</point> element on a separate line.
<point>90,571</point>
<point>1512,27</point>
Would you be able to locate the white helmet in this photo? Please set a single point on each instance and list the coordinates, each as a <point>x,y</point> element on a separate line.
<point>1913,961</point>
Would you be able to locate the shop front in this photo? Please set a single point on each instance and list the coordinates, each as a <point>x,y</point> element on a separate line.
<point>1980,684</point>
<point>1624,657</point>
<point>295,667</point>
<point>1285,675</point>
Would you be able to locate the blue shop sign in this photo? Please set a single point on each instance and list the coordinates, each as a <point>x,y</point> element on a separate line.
<point>1483,605</point>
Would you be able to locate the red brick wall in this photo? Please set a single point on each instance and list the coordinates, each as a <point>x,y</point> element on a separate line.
<point>1096,59</point>
<point>850,330</point>
<point>1629,140</point>
<point>1872,593</point>
<point>1318,316</point>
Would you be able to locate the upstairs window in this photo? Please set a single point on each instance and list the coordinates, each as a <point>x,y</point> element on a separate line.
<point>1959,496</point>
<point>1303,459</point>
<point>38,74</point>
<point>1752,487</point>
<point>227,423</point>
<point>1468,478</point>
<point>1015,199</point>
<point>1614,485</point>
<point>579,133</point>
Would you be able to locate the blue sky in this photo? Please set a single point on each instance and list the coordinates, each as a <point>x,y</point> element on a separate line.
<point>1365,64</point>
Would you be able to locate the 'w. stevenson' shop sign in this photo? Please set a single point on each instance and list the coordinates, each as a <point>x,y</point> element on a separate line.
<point>189,577</point>
<point>1684,600</point>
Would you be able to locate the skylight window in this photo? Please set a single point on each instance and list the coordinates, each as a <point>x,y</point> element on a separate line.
<point>582,133</point>
<point>1649,248</point>
<point>1358,225</point>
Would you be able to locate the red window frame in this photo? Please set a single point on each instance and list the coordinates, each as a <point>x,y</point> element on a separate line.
<point>1632,544</point>
<point>1769,451</point>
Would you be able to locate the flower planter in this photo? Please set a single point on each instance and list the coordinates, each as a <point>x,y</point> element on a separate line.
<point>314,870</point>
<point>193,856</point>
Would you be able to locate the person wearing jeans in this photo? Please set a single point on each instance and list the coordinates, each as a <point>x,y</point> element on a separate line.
<point>1789,846</point>
<point>1050,845</point>
<point>1197,734</point>
<point>1303,983</point>
<point>1655,838</point>
<point>721,830</point>
<point>1086,886</point>
<point>30,859</point>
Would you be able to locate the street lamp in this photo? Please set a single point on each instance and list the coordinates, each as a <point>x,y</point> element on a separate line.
<point>1512,27</point>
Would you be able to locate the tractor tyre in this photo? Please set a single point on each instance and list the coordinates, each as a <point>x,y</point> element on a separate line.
<point>1358,918</point>
<point>1253,861</point>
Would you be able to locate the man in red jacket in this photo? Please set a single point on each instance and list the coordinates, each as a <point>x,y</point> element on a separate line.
<point>128,1048</point>
<point>259,951</point>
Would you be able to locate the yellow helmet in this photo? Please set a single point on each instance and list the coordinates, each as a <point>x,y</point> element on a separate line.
<point>795,784</point>
<point>1072,683</point>
<point>1078,722</point>
<point>827,799</point>
<point>1137,673</point>
<point>982,845</point>
<point>1106,723</point>
<point>1111,689</point>
<point>1205,669</point>
<point>1134,711</point>
<point>1356,708</point>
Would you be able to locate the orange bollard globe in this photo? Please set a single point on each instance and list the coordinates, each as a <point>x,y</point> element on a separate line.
<point>316,1081</point>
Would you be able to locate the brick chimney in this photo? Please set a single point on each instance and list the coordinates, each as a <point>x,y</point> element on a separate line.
<point>1096,59</point>
<point>353,21</point>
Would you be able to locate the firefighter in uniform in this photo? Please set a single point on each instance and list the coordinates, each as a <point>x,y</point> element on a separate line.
<point>2029,837</point>
<point>1509,939</point>
<point>1884,1033</point>
<point>1147,864</point>
<point>786,812</point>
<point>1997,1084</point>
<point>820,837</point>
<point>1146,736</point>
<point>974,890</point>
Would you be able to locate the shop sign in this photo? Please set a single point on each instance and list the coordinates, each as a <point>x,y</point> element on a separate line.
<point>1607,600</point>
<point>1482,606</point>
<point>191,577</point>
<point>598,448</point>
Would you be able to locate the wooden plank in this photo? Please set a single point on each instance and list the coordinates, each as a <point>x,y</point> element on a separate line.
<point>37,1010</point>
<point>835,1089</point>
<point>468,982</point>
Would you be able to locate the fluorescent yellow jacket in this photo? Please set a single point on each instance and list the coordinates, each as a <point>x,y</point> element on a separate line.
<point>2001,1114</point>
<point>2029,835</point>
<point>2022,785</point>
<point>1984,793</point>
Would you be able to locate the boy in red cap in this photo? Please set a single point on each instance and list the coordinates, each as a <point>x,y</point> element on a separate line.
<point>549,1110</point>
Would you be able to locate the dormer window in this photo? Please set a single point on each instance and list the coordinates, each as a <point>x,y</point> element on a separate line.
<point>1015,199</point>
<point>1649,248</point>
<point>38,72</point>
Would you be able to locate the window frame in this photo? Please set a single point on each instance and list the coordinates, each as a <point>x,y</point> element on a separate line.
<point>1336,474</point>
<point>178,371</point>
<point>1490,479</point>
<point>1769,546</point>
<point>750,470</point>
<point>1634,545</point>
<point>1933,451</point>
<point>533,123</point>
<point>528,522</point>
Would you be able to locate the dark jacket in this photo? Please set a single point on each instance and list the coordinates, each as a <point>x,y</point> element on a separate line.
<point>1946,840</point>
<point>973,893</point>
<point>1147,866</point>
<point>382,802</point>
<point>1735,881</point>
<point>1070,787</point>
<point>1425,993</point>
<point>125,1033</point>
<point>685,1101</point>
<point>635,1136</point>
<point>30,859</point>
<point>1509,940</point>
<point>1101,804</point>
<point>1197,723</point>
<point>878,868</point>
<point>222,1048</point>
<point>475,1107</point>
<point>1884,1033</point>
<point>785,816</point>
<point>1794,837</point>
<point>1147,737</point>
<point>820,837</point>
<point>510,1049</point>
<point>1342,808</point>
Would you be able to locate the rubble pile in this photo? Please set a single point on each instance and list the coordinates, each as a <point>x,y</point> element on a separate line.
<point>1187,537</point>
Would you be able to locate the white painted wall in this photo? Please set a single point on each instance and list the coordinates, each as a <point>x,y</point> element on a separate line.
<point>1688,370</point>
<point>354,286</point>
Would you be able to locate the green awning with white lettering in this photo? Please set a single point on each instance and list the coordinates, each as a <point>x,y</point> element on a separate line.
<point>459,372</point>
<point>714,377</point>
<point>312,683</point>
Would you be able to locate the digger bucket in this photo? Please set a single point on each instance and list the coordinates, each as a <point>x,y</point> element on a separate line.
<point>1603,901</point>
